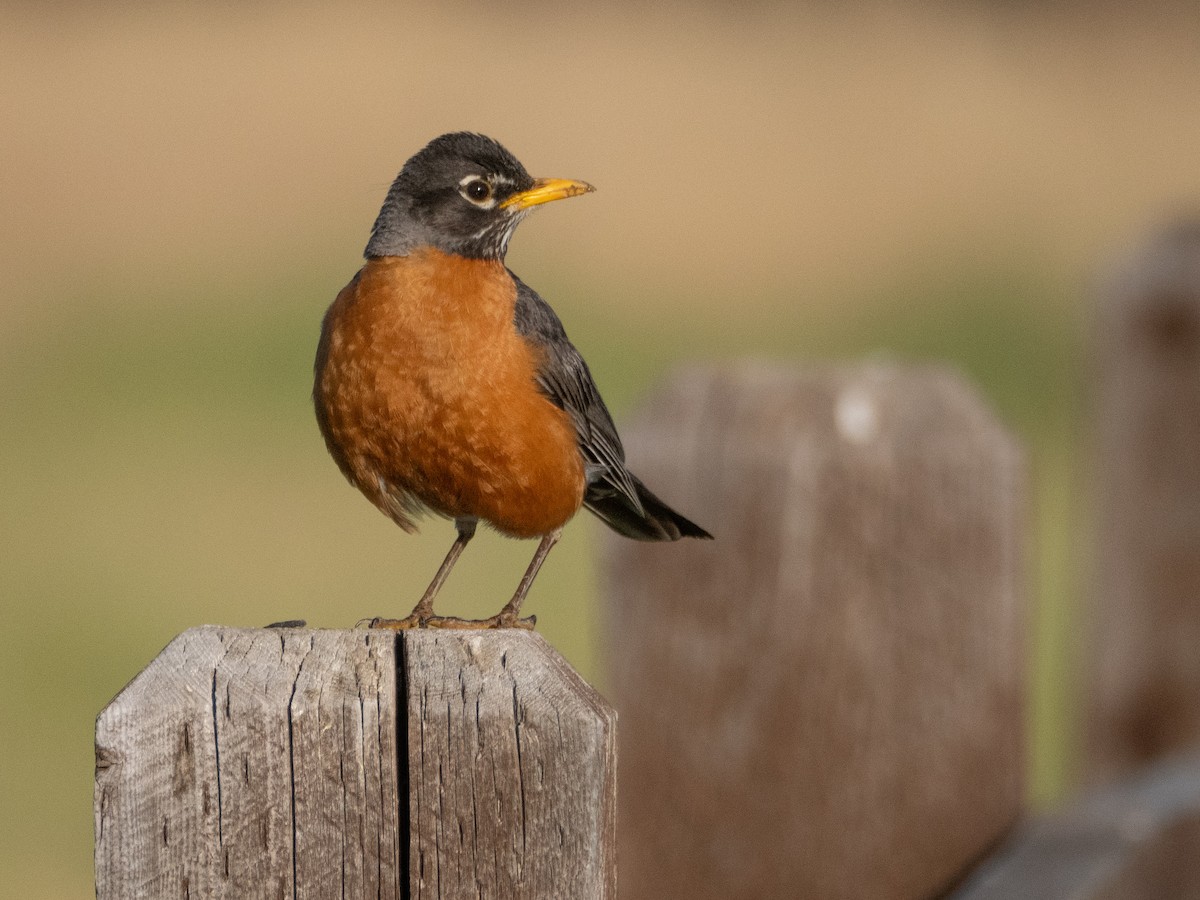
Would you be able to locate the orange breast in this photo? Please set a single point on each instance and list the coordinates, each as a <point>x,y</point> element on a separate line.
<point>426,395</point>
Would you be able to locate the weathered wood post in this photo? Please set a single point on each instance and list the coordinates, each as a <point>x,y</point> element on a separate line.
<point>1143,675</point>
<point>297,763</point>
<point>826,701</point>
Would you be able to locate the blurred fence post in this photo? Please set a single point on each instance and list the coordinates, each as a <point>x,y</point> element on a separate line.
<point>826,701</point>
<point>1144,658</point>
<point>323,764</point>
<point>1138,839</point>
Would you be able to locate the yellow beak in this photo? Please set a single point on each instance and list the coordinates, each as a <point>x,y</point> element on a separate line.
<point>546,189</point>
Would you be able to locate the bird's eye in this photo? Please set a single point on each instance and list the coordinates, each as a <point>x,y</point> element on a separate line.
<point>477,190</point>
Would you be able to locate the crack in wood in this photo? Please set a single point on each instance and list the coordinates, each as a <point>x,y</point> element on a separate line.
<point>217,753</point>
<point>291,735</point>
<point>516,708</point>
<point>403,763</point>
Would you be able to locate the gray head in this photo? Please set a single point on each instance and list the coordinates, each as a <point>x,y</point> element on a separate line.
<point>462,194</point>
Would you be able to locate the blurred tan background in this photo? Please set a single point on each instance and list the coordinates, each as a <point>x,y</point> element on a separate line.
<point>184,190</point>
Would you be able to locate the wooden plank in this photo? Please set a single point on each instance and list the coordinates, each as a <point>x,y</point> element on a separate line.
<point>827,700</point>
<point>514,791</point>
<point>252,763</point>
<point>1143,668</point>
<point>268,763</point>
<point>1138,840</point>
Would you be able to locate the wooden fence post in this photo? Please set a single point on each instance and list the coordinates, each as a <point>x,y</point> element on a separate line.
<point>1143,674</point>
<point>320,764</point>
<point>827,700</point>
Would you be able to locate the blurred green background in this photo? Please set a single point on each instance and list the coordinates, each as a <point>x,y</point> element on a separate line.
<point>185,188</point>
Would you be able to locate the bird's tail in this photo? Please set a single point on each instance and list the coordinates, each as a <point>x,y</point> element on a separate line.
<point>656,521</point>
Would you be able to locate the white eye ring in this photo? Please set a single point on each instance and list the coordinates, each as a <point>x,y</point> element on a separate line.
<point>478,191</point>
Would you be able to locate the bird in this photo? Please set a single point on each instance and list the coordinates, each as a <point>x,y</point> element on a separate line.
<point>444,384</point>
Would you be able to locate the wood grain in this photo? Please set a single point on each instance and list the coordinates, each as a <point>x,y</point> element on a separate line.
<point>252,763</point>
<point>826,701</point>
<point>272,763</point>
<point>513,792</point>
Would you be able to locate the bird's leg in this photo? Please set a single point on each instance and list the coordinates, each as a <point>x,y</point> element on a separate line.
<point>509,616</point>
<point>423,612</point>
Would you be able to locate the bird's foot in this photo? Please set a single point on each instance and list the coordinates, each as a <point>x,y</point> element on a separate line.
<point>500,620</point>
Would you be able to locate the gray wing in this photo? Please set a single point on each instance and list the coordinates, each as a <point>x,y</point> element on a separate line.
<point>565,379</point>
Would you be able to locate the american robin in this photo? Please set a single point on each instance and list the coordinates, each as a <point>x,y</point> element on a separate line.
<point>445,383</point>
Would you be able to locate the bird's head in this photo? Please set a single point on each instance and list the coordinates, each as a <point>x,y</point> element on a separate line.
<point>464,194</point>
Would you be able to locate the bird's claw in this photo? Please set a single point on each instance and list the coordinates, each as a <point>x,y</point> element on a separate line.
<point>500,620</point>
